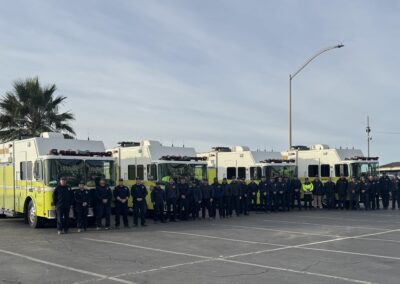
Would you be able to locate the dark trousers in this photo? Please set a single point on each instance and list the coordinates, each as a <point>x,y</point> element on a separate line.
<point>82,216</point>
<point>184,209</point>
<point>374,199</point>
<point>172,209</point>
<point>62,218</point>
<point>282,201</point>
<point>227,206</point>
<point>206,205</point>
<point>364,199</point>
<point>264,200</point>
<point>253,202</point>
<point>103,210</point>
<point>195,209</point>
<point>244,205</point>
<point>236,204</point>
<point>354,200</point>
<point>139,211</point>
<point>394,199</point>
<point>385,199</point>
<point>159,211</point>
<point>342,201</point>
<point>121,209</point>
<point>275,202</point>
<point>308,199</point>
<point>296,200</point>
<point>330,200</point>
<point>220,204</point>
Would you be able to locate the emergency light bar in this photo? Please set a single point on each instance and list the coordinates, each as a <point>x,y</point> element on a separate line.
<point>57,152</point>
<point>183,158</point>
<point>358,158</point>
<point>277,161</point>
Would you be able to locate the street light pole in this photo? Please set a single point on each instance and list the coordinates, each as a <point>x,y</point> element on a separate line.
<point>291,76</point>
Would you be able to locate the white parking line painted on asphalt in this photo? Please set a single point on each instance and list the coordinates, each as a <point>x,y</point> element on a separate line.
<point>351,253</point>
<point>33,259</point>
<point>279,231</point>
<point>345,279</point>
<point>221,238</point>
<point>343,218</point>
<point>322,225</point>
<point>147,248</point>
<point>381,240</point>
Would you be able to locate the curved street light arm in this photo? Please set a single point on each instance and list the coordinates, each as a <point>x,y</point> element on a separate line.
<point>313,57</point>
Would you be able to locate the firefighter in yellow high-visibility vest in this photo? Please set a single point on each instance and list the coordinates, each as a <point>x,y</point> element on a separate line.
<point>307,190</point>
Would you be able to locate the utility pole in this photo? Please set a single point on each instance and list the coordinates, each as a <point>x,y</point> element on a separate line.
<point>369,138</point>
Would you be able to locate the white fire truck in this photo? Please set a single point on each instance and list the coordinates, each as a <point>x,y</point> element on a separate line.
<point>30,169</point>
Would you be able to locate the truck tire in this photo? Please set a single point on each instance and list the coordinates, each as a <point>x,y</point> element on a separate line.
<point>33,220</point>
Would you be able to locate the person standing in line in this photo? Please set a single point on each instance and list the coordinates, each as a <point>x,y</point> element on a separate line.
<point>63,200</point>
<point>385,185</point>
<point>307,189</point>
<point>121,196</point>
<point>158,199</point>
<point>183,201</point>
<point>330,192</point>
<point>207,200</point>
<point>195,199</point>
<point>318,192</point>
<point>172,194</point>
<point>264,194</point>
<point>295,188</point>
<point>394,191</point>
<point>82,200</point>
<point>103,204</point>
<point>253,193</point>
<point>139,193</point>
<point>341,187</point>
<point>227,189</point>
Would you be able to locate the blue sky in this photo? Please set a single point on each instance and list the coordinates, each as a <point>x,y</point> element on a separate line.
<point>208,73</point>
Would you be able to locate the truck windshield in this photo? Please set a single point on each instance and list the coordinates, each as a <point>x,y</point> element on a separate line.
<point>363,169</point>
<point>176,170</point>
<point>281,170</point>
<point>76,170</point>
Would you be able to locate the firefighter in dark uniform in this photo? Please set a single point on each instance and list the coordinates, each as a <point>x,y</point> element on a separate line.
<point>195,198</point>
<point>121,196</point>
<point>341,188</point>
<point>397,184</point>
<point>253,192</point>
<point>264,194</point>
<point>245,197</point>
<point>207,201</point>
<point>375,194</point>
<point>82,201</point>
<point>288,195</point>
<point>354,193</point>
<point>218,199</point>
<point>394,191</point>
<point>295,193</point>
<point>63,200</point>
<point>158,199</point>
<point>236,197</point>
<point>139,193</point>
<point>385,187</point>
<point>103,204</point>
<point>330,192</point>
<point>183,201</point>
<point>227,189</point>
<point>282,190</point>
<point>365,189</point>
<point>172,194</point>
<point>274,195</point>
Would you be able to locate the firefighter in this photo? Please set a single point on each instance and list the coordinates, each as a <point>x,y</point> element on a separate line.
<point>195,198</point>
<point>227,190</point>
<point>171,193</point>
<point>183,201</point>
<point>245,197</point>
<point>307,190</point>
<point>236,197</point>
<point>365,189</point>
<point>121,196</point>
<point>82,200</point>
<point>274,195</point>
<point>353,192</point>
<point>295,188</point>
<point>318,192</point>
<point>281,197</point>
<point>375,194</point>
<point>330,192</point>
<point>63,200</point>
<point>253,192</point>
<point>139,193</point>
<point>394,191</point>
<point>219,194</point>
<point>264,194</point>
<point>103,204</point>
<point>385,185</point>
<point>397,184</point>
<point>341,188</point>
<point>158,198</point>
<point>207,202</point>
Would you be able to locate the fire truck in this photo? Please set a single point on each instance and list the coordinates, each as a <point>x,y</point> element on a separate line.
<point>323,161</point>
<point>152,162</point>
<point>30,169</point>
<point>241,162</point>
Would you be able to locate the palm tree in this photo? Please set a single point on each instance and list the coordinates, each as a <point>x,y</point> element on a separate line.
<point>31,109</point>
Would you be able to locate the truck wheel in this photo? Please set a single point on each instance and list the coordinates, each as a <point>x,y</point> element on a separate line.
<point>33,220</point>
